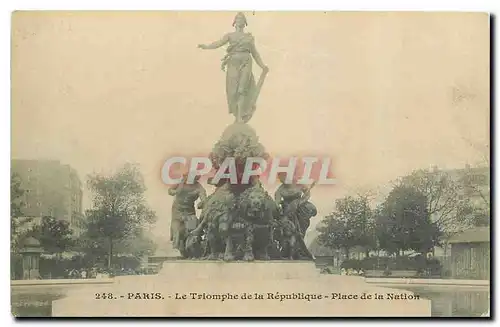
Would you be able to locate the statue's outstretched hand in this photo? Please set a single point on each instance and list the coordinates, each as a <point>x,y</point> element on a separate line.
<point>202,46</point>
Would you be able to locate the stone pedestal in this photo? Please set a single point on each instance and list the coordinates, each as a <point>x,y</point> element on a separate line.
<point>260,289</point>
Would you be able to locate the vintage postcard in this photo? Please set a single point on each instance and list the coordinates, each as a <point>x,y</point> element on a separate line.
<point>250,164</point>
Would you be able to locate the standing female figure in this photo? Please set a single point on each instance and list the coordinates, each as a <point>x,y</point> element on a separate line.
<point>241,89</point>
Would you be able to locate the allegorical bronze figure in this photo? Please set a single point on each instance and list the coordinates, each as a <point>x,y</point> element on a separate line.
<point>241,89</point>
<point>241,221</point>
<point>183,211</point>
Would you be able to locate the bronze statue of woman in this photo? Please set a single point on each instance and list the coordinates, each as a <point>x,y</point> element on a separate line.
<point>241,88</point>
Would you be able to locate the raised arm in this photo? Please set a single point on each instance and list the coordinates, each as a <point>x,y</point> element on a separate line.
<point>216,44</point>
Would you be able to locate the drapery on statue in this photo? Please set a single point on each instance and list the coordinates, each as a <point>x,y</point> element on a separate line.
<point>241,90</point>
<point>241,221</point>
<point>183,211</point>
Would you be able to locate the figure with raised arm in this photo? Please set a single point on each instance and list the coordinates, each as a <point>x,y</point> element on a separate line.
<point>241,89</point>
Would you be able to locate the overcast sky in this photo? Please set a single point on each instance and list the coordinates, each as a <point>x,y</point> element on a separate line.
<point>380,93</point>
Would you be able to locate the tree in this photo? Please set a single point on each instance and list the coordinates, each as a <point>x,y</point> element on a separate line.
<point>318,249</point>
<point>55,235</point>
<point>137,246</point>
<point>16,205</point>
<point>119,209</point>
<point>445,202</point>
<point>350,225</point>
<point>476,183</point>
<point>96,248</point>
<point>475,216</point>
<point>403,222</point>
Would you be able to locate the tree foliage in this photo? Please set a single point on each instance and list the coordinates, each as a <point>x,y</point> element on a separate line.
<point>16,205</point>
<point>423,209</point>
<point>403,222</point>
<point>442,193</point>
<point>450,198</point>
<point>476,183</point>
<point>97,248</point>
<point>475,216</point>
<point>55,236</point>
<point>119,210</point>
<point>138,246</point>
<point>349,225</point>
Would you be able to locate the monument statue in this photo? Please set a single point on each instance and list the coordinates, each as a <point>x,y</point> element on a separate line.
<point>241,89</point>
<point>214,221</point>
<point>183,211</point>
<point>293,200</point>
<point>250,224</point>
<point>296,211</point>
<point>240,221</point>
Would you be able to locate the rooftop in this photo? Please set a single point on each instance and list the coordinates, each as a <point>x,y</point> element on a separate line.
<point>474,235</point>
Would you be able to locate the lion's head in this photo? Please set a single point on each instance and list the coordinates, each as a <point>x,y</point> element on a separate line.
<point>254,204</point>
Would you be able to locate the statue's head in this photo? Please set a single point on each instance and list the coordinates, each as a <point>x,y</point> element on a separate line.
<point>307,210</point>
<point>240,20</point>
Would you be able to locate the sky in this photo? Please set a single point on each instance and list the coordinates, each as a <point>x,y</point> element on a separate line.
<point>380,93</point>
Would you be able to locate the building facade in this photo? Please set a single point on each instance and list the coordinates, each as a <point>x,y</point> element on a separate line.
<point>470,254</point>
<point>50,189</point>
